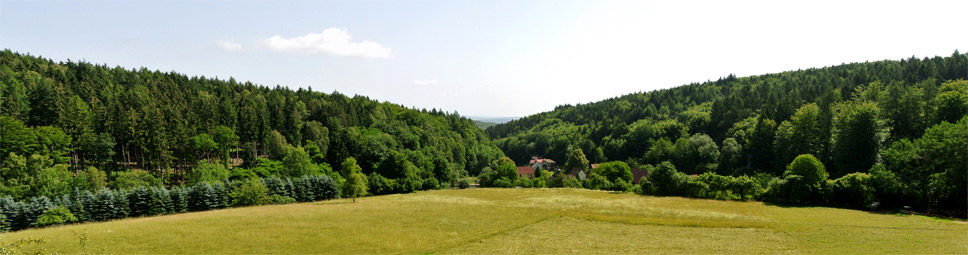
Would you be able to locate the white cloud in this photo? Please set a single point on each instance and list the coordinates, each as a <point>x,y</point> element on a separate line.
<point>334,41</point>
<point>424,82</point>
<point>228,45</point>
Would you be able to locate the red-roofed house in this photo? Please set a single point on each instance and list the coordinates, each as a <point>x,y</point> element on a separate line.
<point>638,174</point>
<point>526,171</point>
<point>541,163</point>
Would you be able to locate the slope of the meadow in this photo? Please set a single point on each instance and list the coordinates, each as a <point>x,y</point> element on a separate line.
<point>522,221</point>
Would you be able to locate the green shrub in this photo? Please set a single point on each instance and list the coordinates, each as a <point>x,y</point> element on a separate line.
<point>745,187</point>
<point>596,181</point>
<point>463,183</point>
<point>806,178</point>
<point>203,197</point>
<point>377,184</point>
<point>54,216</point>
<point>621,185</point>
<point>431,183</point>
<point>4,224</point>
<point>208,172</point>
<point>139,201</point>
<point>12,213</point>
<point>523,182</point>
<point>692,187</point>
<point>252,192</point>
<point>179,200</point>
<point>277,186</point>
<point>75,202</point>
<point>36,207</point>
<point>324,187</point>
<point>503,183</point>
<point>852,190</point>
<point>645,187</point>
<point>133,179</point>
<point>613,171</point>
<point>569,182</point>
<point>665,179</point>
<point>278,200</point>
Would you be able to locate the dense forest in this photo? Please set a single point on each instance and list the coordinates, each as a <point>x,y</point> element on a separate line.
<point>67,126</point>
<point>902,122</point>
<point>84,142</point>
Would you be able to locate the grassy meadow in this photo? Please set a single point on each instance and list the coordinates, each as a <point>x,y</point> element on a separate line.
<point>516,221</point>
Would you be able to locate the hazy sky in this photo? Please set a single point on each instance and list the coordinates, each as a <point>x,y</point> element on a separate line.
<point>481,58</point>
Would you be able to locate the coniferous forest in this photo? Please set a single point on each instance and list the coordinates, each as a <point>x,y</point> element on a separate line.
<point>87,142</point>
<point>75,131</point>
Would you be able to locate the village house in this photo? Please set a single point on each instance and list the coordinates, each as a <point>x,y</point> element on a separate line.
<point>542,163</point>
<point>526,171</point>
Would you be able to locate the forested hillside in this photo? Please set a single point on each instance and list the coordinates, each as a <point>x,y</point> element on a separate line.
<point>906,116</point>
<point>76,125</point>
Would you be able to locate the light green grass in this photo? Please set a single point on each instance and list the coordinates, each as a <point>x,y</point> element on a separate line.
<point>523,221</point>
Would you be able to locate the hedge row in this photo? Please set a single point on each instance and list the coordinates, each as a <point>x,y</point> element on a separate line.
<point>107,204</point>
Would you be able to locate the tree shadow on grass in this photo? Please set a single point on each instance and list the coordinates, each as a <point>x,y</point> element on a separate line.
<point>946,215</point>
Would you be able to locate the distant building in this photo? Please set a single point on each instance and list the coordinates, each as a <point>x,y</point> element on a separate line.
<point>526,171</point>
<point>577,173</point>
<point>638,174</point>
<point>541,163</point>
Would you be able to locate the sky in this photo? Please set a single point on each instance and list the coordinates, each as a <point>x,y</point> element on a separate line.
<point>481,58</point>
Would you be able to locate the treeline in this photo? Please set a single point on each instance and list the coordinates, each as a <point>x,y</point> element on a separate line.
<point>903,116</point>
<point>65,122</point>
<point>84,205</point>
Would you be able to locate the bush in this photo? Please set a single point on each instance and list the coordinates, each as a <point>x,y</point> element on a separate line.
<point>745,187</point>
<point>323,187</point>
<point>222,192</point>
<point>852,190</point>
<point>408,184</point>
<point>645,187</point>
<point>203,197</point>
<point>621,186</point>
<point>77,202</point>
<point>463,183</point>
<point>54,216</point>
<point>596,181</point>
<point>13,213</point>
<point>523,182</point>
<point>503,183</point>
<point>133,179</point>
<point>377,184</point>
<point>252,192</point>
<point>431,183</point>
<point>277,186</point>
<point>139,202</point>
<point>90,179</point>
<point>179,200</point>
<point>666,180</point>
<point>692,187</point>
<point>888,189</point>
<point>208,172</point>
<point>36,207</point>
<point>569,182</point>
<point>4,224</point>
<point>278,200</point>
<point>302,190</point>
<point>806,178</point>
<point>613,171</point>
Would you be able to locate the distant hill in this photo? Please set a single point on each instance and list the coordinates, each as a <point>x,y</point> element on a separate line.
<point>890,114</point>
<point>495,120</point>
<point>483,125</point>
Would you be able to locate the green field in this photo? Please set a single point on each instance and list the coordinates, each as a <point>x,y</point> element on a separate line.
<point>524,221</point>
